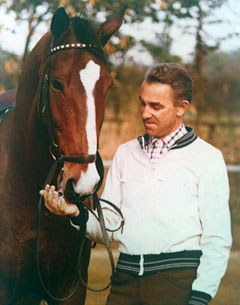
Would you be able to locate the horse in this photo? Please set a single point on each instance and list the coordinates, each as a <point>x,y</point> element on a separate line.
<point>58,114</point>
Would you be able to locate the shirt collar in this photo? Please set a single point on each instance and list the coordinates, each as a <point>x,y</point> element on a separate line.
<point>169,140</point>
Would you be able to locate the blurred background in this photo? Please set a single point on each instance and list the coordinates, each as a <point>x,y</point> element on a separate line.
<point>202,35</point>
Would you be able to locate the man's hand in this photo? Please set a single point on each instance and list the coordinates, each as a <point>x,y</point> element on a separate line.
<point>56,203</point>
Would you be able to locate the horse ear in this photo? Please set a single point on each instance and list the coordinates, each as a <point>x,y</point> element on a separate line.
<point>60,22</point>
<point>109,27</point>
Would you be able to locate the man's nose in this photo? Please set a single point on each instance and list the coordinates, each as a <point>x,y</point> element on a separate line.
<point>146,112</point>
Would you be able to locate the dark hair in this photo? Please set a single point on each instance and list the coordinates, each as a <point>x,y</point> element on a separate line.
<point>175,76</point>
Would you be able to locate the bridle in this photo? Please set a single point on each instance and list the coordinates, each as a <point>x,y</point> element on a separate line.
<point>59,158</point>
<point>45,109</point>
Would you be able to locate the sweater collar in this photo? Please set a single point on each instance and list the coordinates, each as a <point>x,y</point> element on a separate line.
<point>185,140</point>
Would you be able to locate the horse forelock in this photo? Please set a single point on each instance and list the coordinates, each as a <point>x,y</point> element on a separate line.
<point>86,33</point>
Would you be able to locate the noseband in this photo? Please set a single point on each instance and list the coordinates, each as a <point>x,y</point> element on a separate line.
<point>45,109</point>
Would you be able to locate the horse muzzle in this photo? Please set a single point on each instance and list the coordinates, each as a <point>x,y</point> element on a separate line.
<point>79,183</point>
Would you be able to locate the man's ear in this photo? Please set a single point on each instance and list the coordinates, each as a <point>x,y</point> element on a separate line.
<point>182,107</point>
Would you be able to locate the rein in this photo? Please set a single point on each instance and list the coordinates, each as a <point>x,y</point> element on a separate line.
<point>59,159</point>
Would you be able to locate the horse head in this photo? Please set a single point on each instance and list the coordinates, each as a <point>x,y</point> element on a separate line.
<point>73,92</point>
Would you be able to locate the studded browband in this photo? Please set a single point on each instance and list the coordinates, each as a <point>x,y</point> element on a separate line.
<point>71,46</point>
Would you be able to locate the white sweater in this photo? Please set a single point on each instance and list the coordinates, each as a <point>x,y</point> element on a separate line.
<point>181,205</point>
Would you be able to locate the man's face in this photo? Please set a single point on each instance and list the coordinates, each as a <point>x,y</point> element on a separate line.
<point>159,113</point>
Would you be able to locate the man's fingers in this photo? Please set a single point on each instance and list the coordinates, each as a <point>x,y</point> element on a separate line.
<point>62,204</point>
<point>47,188</point>
<point>50,198</point>
<point>42,192</point>
<point>56,204</point>
<point>45,192</point>
<point>55,200</point>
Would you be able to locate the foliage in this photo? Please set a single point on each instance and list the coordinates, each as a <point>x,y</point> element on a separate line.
<point>9,70</point>
<point>223,85</point>
<point>194,16</point>
<point>202,12</point>
<point>167,13</point>
<point>40,12</point>
<point>220,80</point>
<point>127,80</point>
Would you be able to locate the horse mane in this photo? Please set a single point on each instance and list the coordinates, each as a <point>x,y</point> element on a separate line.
<point>85,32</point>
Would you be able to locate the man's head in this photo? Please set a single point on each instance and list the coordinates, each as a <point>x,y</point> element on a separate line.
<point>165,95</point>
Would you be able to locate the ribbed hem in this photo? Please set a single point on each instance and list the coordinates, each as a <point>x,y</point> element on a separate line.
<point>199,298</point>
<point>152,263</point>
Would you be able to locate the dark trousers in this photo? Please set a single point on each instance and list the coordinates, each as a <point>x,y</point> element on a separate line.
<point>163,288</point>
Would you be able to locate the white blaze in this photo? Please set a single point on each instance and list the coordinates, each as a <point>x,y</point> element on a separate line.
<point>89,76</point>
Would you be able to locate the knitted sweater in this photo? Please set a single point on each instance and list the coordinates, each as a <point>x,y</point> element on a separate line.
<point>181,205</point>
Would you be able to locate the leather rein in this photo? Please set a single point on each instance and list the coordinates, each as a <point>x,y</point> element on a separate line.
<point>59,159</point>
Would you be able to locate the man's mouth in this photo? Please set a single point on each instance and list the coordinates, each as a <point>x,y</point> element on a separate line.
<point>149,124</point>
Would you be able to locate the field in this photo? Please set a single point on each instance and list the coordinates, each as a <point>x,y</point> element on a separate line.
<point>99,273</point>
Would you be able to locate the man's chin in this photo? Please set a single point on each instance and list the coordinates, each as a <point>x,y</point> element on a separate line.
<point>151,133</point>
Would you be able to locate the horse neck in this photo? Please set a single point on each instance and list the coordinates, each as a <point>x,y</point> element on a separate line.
<point>29,159</point>
<point>29,145</point>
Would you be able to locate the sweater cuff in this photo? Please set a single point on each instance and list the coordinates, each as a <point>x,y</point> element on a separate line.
<point>199,298</point>
<point>82,218</point>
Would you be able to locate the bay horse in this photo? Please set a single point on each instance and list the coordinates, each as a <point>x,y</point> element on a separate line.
<point>60,104</point>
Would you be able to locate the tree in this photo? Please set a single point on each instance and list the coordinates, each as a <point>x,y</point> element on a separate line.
<point>9,70</point>
<point>200,18</point>
<point>39,12</point>
<point>223,86</point>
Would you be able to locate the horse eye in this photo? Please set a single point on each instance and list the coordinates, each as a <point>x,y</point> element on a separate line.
<point>57,85</point>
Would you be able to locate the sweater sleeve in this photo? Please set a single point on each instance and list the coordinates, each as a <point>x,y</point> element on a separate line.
<point>112,193</point>
<point>215,242</point>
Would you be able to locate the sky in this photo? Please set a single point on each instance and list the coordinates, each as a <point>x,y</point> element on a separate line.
<point>12,35</point>
<point>183,45</point>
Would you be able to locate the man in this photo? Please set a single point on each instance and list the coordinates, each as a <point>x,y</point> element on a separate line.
<point>172,188</point>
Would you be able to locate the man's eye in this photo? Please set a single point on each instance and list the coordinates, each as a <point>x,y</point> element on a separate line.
<point>57,85</point>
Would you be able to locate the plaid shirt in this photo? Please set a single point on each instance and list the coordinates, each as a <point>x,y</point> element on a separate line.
<point>155,148</point>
